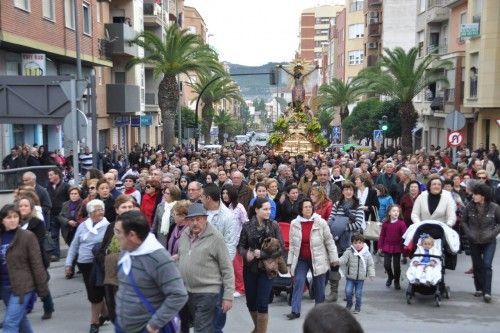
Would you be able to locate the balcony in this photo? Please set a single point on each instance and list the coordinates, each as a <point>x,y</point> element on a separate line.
<point>437,11</point>
<point>119,35</point>
<point>437,49</point>
<point>437,104</point>
<point>105,48</point>
<point>374,3</point>
<point>374,29</point>
<point>153,15</point>
<point>123,98</point>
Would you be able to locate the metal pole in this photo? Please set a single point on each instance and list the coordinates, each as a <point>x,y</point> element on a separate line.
<point>78,75</point>
<point>454,149</point>
<point>179,114</point>
<point>277,93</point>
<point>74,122</point>
<point>94,118</point>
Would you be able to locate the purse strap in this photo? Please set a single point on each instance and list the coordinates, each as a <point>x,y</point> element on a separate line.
<point>375,211</point>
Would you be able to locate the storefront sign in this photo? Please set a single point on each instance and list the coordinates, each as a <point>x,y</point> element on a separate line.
<point>141,121</point>
<point>469,30</point>
<point>33,64</point>
<point>121,121</point>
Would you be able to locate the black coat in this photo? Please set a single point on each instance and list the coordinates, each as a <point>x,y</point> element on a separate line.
<point>58,196</point>
<point>36,226</point>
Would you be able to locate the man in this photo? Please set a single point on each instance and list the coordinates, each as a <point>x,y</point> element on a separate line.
<point>111,179</point>
<point>423,176</point>
<point>146,268</point>
<point>222,179</point>
<point>58,193</point>
<point>223,220</point>
<point>157,174</point>
<point>337,178</point>
<point>282,176</point>
<point>332,190</point>
<point>404,175</point>
<point>85,159</point>
<point>206,267</point>
<point>245,193</point>
<point>389,180</point>
<point>476,165</point>
<point>194,192</point>
<point>167,179</point>
<point>12,160</point>
<point>29,179</point>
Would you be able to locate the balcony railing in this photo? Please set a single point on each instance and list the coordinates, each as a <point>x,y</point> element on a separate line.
<point>473,88</point>
<point>374,2</point>
<point>105,49</point>
<point>437,49</point>
<point>120,35</point>
<point>437,11</point>
<point>374,29</point>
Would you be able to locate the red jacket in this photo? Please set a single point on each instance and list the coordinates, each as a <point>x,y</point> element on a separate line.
<point>406,204</point>
<point>148,204</point>
<point>391,237</point>
<point>325,209</point>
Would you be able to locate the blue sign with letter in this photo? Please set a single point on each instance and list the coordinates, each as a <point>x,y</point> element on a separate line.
<point>378,135</point>
<point>336,132</point>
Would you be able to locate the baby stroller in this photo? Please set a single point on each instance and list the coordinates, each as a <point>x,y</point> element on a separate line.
<point>284,282</point>
<point>446,243</point>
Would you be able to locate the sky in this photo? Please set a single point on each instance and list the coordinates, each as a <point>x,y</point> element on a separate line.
<point>254,32</point>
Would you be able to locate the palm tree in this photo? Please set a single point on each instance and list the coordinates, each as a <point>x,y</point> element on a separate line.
<point>340,94</point>
<point>224,122</point>
<point>181,52</point>
<point>224,88</point>
<point>398,76</point>
<point>325,118</point>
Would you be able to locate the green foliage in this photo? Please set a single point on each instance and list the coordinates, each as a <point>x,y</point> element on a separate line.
<point>320,140</point>
<point>281,125</point>
<point>259,104</point>
<point>188,118</point>
<point>276,139</point>
<point>313,127</point>
<point>340,94</point>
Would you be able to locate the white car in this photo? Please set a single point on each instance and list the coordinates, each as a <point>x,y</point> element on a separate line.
<point>240,139</point>
<point>259,139</point>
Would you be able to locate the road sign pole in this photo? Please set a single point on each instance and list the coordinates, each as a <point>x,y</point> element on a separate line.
<point>74,122</point>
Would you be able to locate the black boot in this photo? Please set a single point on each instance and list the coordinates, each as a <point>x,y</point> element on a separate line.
<point>397,286</point>
<point>388,282</point>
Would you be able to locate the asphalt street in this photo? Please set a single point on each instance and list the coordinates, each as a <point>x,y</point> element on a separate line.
<point>384,310</point>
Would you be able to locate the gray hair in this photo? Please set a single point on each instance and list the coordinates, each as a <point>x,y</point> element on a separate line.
<point>406,171</point>
<point>281,168</point>
<point>30,174</point>
<point>93,204</point>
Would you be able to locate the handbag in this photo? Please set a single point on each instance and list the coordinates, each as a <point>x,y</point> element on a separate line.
<point>172,326</point>
<point>373,228</point>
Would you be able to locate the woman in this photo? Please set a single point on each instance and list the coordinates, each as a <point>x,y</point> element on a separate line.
<point>129,184</point>
<point>346,218</point>
<point>89,234</point>
<point>30,222</point>
<point>92,194</point>
<point>434,204</point>
<point>179,213</point>
<point>210,178</point>
<point>408,200</point>
<point>150,200</point>
<point>459,188</point>
<point>307,180</point>
<point>104,194</point>
<point>183,184</point>
<point>22,271</point>
<point>29,192</point>
<point>288,205</point>
<point>367,196</point>
<point>272,188</point>
<point>67,217</point>
<point>261,192</point>
<point>107,257</point>
<point>481,225</point>
<point>311,248</point>
<point>322,204</point>
<point>230,199</point>
<point>163,220</point>
<point>257,284</point>
<point>252,180</point>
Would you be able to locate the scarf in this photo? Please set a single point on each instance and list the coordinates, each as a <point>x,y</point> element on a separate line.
<point>173,242</point>
<point>92,228</point>
<point>130,190</point>
<point>73,205</point>
<point>149,245</point>
<point>365,250</point>
<point>165,218</point>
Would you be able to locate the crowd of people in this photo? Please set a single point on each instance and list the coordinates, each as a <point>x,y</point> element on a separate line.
<point>185,232</point>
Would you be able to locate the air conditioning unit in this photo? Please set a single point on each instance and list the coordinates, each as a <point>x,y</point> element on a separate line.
<point>373,14</point>
<point>372,45</point>
<point>374,20</point>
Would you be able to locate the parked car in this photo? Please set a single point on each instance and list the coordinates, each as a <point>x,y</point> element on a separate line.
<point>240,139</point>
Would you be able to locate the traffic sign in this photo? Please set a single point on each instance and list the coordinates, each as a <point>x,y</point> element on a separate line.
<point>459,121</point>
<point>455,139</point>
<point>336,132</point>
<point>378,135</point>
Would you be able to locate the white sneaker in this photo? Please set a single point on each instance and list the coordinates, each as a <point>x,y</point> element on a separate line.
<point>237,294</point>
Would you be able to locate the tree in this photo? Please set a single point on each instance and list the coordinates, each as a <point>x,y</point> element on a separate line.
<point>398,76</point>
<point>340,94</point>
<point>223,88</point>
<point>245,116</point>
<point>224,121</point>
<point>181,52</point>
<point>363,120</point>
<point>188,119</point>
<point>325,118</point>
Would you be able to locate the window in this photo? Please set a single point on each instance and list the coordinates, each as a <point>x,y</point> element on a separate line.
<point>22,4</point>
<point>48,9</point>
<point>422,6</point>
<point>192,29</point>
<point>356,30</point>
<point>87,19</point>
<point>69,13</point>
<point>356,5</point>
<point>356,57</point>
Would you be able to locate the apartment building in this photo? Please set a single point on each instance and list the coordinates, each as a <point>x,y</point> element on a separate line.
<point>354,37</point>
<point>481,73</point>
<point>338,39</point>
<point>47,48</point>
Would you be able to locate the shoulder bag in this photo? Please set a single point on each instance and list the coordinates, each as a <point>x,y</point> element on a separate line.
<point>372,231</point>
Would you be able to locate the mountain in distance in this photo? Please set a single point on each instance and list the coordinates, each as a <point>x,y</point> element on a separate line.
<point>257,86</point>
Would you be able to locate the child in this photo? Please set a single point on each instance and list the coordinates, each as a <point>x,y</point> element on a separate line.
<point>391,244</point>
<point>359,266</point>
<point>384,200</point>
<point>424,267</point>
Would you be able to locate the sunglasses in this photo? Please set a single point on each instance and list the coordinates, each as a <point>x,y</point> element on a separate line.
<point>482,177</point>
<point>148,186</point>
<point>92,188</point>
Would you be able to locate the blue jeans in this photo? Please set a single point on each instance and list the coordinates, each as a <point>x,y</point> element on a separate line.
<point>299,279</point>
<point>219,317</point>
<point>257,290</point>
<point>357,286</point>
<point>15,319</point>
<point>482,257</point>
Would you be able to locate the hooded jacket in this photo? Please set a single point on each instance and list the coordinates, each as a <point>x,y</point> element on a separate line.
<point>359,265</point>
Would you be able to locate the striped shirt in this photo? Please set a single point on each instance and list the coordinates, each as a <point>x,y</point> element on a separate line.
<point>85,162</point>
<point>356,216</point>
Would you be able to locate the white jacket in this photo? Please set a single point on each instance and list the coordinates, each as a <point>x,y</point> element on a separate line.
<point>323,249</point>
<point>445,211</point>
